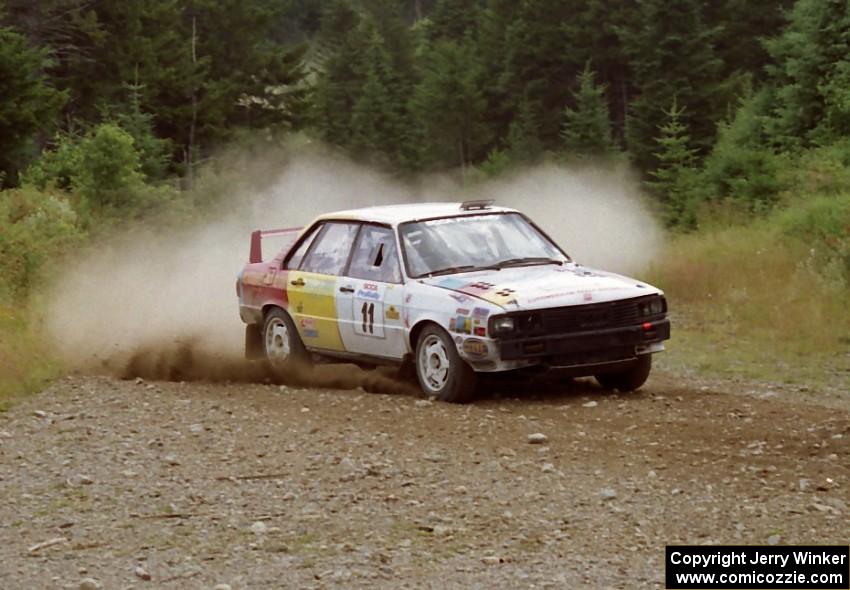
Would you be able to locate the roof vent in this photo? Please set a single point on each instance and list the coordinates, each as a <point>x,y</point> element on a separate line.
<point>477,204</point>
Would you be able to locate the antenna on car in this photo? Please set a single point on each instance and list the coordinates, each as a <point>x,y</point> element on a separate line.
<point>476,204</point>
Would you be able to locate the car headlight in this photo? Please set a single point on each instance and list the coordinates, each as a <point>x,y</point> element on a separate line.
<point>655,306</point>
<point>502,325</point>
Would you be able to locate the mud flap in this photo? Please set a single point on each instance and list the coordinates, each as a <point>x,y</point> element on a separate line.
<point>254,348</point>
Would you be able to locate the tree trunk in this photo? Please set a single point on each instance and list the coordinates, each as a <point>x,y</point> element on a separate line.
<point>190,152</point>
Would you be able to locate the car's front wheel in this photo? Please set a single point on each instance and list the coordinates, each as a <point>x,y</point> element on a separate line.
<point>282,345</point>
<point>628,379</point>
<point>439,368</point>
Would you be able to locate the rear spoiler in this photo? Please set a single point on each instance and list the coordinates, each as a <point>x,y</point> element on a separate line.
<point>257,240</point>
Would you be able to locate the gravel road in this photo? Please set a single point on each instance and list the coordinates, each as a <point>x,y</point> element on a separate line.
<point>111,483</point>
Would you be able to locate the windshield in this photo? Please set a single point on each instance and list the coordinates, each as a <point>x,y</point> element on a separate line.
<point>473,242</point>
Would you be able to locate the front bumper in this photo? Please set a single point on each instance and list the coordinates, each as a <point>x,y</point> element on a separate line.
<point>584,348</point>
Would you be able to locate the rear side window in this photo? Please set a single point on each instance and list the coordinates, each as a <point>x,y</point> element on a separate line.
<point>376,256</point>
<point>331,249</point>
<point>296,257</point>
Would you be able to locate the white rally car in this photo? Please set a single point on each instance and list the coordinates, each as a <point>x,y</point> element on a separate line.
<point>454,289</point>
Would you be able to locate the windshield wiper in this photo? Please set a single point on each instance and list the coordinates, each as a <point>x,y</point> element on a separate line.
<point>527,260</point>
<point>452,269</point>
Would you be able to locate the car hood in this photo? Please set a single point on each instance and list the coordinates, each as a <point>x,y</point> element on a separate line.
<point>535,287</point>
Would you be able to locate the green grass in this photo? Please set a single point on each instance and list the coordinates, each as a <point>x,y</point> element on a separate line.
<point>25,366</point>
<point>753,302</point>
<point>711,353</point>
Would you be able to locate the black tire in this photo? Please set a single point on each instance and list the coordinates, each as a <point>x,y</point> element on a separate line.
<point>629,379</point>
<point>440,370</point>
<point>282,346</point>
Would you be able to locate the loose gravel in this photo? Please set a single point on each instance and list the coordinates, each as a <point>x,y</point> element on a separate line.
<point>134,484</point>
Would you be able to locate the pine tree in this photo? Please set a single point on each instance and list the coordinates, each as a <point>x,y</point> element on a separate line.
<point>454,20</point>
<point>339,80</point>
<point>740,165</point>
<point>541,60</point>
<point>523,140</point>
<point>251,80</point>
<point>29,104</point>
<point>154,153</point>
<point>587,126</point>
<point>379,116</point>
<point>370,105</point>
<point>365,82</point>
<point>671,54</point>
<point>207,68</point>
<point>495,20</point>
<point>449,105</point>
<point>812,73</point>
<point>742,28</point>
<point>674,176</point>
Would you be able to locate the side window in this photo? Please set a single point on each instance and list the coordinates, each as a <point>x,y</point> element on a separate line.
<point>295,258</point>
<point>376,256</point>
<point>330,252</point>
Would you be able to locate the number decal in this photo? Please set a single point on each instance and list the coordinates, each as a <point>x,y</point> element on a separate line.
<point>368,313</point>
<point>367,306</point>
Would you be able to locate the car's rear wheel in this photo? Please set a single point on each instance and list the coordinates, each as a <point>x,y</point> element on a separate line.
<point>628,379</point>
<point>283,348</point>
<point>439,368</point>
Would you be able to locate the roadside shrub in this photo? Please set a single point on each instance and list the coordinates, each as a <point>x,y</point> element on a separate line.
<point>750,176</point>
<point>109,171</point>
<point>103,172</point>
<point>742,167</point>
<point>823,170</point>
<point>35,227</point>
<point>55,167</point>
<point>823,224</point>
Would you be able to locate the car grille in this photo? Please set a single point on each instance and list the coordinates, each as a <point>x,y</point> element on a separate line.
<point>589,317</point>
<point>582,318</point>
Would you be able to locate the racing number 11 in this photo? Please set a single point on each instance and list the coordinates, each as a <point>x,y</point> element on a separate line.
<point>368,311</point>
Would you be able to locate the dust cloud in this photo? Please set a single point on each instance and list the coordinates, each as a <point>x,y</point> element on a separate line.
<point>597,214</point>
<point>162,303</point>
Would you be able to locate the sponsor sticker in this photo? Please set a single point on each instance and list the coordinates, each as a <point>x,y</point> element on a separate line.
<point>461,325</point>
<point>308,327</point>
<point>481,286</point>
<point>462,311</point>
<point>475,348</point>
<point>460,297</point>
<point>392,313</point>
<point>481,312</point>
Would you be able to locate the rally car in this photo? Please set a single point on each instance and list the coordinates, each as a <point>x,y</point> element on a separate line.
<point>453,289</point>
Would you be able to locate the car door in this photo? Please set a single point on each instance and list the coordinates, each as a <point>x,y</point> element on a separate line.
<point>369,303</point>
<point>312,287</point>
